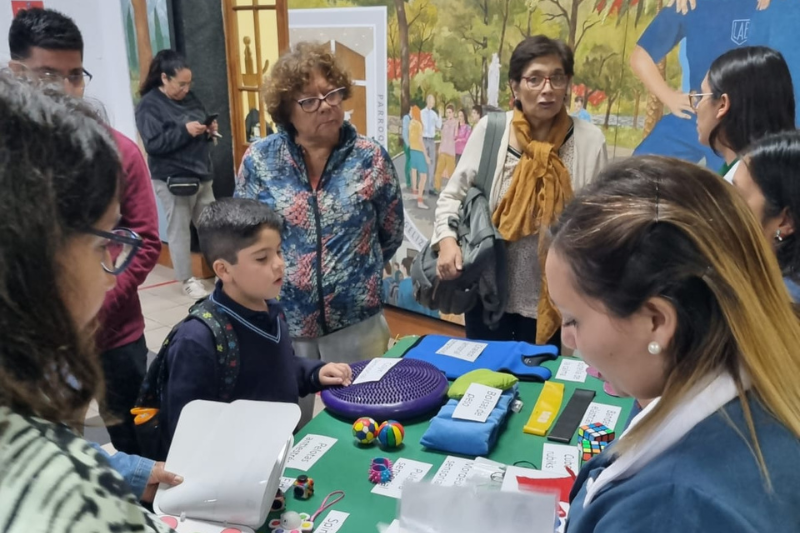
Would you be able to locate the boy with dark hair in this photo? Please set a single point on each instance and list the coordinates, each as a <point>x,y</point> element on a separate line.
<point>241,240</point>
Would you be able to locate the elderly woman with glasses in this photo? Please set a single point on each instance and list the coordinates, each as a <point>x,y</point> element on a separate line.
<point>545,156</point>
<point>747,94</point>
<point>339,195</point>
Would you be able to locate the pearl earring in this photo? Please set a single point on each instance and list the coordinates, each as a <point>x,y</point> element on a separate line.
<point>654,348</point>
<point>778,236</point>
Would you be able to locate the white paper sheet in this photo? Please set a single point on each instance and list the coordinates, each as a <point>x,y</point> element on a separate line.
<point>405,471</point>
<point>375,370</point>
<point>572,370</point>
<point>308,451</point>
<point>286,483</point>
<point>332,523</point>
<point>466,350</point>
<point>608,415</point>
<point>477,403</point>
<point>555,457</point>
<point>454,472</point>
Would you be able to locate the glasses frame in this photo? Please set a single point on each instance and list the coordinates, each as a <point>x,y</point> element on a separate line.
<point>320,99</point>
<point>699,97</point>
<point>545,79</point>
<point>133,240</point>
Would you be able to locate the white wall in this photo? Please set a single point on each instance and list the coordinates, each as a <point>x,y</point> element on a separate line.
<point>104,54</point>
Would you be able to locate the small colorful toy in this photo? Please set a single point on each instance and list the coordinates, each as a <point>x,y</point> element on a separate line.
<point>279,503</point>
<point>292,522</point>
<point>365,430</point>
<point>595,432</point>
<point>303,487</point>
<point>390,434</point>
<point>380,471</point>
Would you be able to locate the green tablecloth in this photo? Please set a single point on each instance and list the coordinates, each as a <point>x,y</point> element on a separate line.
<point>345,465</point>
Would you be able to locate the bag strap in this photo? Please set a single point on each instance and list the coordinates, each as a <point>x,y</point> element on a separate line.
<point>495,129</point>
<point>226,342</point>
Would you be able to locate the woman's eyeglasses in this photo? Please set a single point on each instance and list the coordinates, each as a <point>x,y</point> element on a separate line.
<point>696,98</point>
<point>333,98</point>
<point>121,248</point>
<point>557,81</point>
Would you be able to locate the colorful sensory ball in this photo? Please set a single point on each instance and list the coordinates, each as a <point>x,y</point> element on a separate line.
<point>391,433</point>
<point>365,430</point>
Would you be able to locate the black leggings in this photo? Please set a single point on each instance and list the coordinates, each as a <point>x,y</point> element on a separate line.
<point>512,327</point>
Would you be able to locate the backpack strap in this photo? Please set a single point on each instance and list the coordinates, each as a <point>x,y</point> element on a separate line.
<point>227,344</point>
<point>150,392</point>
<point>495,129</point>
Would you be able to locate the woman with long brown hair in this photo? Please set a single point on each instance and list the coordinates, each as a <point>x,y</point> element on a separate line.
<point>667,286</point>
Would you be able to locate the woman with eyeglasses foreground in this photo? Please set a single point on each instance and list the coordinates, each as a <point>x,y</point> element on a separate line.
<point>176,131</point>
<point>544,157</point>
<point>747,94</point>
<point>339,195</point>
<point>667,287</point>
<point>59,253</point>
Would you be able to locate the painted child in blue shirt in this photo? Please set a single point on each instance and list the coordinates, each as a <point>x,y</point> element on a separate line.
<point>241,240</point>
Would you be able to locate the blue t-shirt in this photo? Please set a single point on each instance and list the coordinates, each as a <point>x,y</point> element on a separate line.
<point>709,30</point>
<point>777,27</point>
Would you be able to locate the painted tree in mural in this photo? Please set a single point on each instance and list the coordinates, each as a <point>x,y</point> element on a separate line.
<point>159,33</point>
<point>405,80</point>
<point>130,41</point>
<point>142,26</point>
<point>655,108</point>
<point>570,13</point>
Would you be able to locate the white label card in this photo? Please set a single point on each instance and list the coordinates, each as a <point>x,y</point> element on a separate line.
<point>477,403</point>
<point>332,523</point>
<point>308,451</point>
<point>454,472</point>
<point>286,483</point>
<point>556,457</point>
<point>375,370</point>
<point>572,370</point>
<point>405,471</point>
<point>600,412</point>
<point>466,350</point>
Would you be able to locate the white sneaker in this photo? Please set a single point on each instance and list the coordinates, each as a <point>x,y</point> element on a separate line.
<point>194,288</point>
<point>422,205</point>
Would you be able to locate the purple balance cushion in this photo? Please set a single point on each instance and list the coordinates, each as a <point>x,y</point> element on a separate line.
<point>410,389</point>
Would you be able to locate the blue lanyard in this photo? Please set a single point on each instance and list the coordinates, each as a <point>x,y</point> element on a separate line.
<point>274,338</point>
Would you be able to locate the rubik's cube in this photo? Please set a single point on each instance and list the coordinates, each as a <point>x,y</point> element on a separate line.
<point>590,448</point>
<point>593,439</point>
<point>595,432</point>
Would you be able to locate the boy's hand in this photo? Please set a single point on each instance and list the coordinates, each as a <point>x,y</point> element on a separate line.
<point>157,476</point>
<point>335,374</point>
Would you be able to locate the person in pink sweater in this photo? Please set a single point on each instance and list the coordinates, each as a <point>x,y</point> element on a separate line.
<point>49,46</point>
<point>464,130</point>
<point>446,162</point>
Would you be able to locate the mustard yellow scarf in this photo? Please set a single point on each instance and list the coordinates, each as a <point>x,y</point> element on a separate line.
<point>540,188</point>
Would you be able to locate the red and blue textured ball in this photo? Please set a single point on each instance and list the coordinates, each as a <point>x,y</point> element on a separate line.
<point>390,434</point>
<point>365,430</point>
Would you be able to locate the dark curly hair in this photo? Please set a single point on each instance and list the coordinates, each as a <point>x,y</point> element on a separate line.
<point>292,73</point>
<point>59,173</point>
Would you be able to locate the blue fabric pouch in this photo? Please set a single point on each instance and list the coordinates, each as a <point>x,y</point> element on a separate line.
<point>518,358</point>
<point>467,437</point>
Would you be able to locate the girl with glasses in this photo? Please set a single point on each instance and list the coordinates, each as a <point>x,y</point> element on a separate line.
<point>544,157</point>
<point>747,93</point>
<point>339,195</point>
<point>59,253</point>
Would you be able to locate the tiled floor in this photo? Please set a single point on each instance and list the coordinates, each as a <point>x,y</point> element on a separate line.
<point>163,306</point>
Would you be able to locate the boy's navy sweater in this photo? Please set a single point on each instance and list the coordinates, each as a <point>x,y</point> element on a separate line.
<point>269,370</point>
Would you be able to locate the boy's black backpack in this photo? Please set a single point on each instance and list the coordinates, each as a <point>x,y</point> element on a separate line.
<point>152,440</point>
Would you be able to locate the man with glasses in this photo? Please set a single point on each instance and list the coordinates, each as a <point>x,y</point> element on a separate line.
<point>47,46</point>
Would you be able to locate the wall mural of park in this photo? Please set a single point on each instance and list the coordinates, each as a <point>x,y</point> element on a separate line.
<point>454,53</point>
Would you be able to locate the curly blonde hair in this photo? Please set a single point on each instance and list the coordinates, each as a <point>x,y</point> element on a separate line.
<point>291,74</point>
